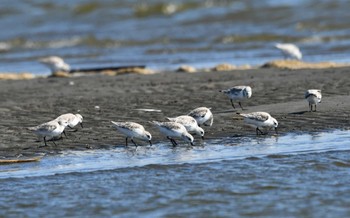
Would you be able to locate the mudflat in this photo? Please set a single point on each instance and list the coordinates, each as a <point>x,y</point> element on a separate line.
<point>100,99</point>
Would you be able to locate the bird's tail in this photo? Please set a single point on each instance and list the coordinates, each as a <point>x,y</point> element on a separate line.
<point>115,123</point>
<point>154,122</point>
<point>31,128</point>
<point>171,119</point>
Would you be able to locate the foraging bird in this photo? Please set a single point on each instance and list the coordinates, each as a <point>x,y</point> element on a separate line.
<point>189,123</point>
<point>202,115</point>
<point>238,93</point>
<point>72,119</point>
<point>313,96</point>
<point>289,51</point>
<point>172,129</point>
<point>133,130</point>
<point>49,130</point>
<point>56,64</point>
<point>260,120</point>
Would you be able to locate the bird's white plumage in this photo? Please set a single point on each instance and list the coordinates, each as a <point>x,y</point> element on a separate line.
<point>50,129</point>
<point>56,64</point>
<point>238,93</point>
<point>132,130</point>
<point>202,115</point>
<point>172,129</point>
<point>289,50</point>
<point>189,123</point>
<point>72,119</point>
<point>259,119</point>
<point>313,96</point>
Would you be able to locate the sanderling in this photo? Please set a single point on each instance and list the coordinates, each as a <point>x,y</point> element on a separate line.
<point>260,119</point>
<point>172,129</point>
<point>238,93</point>
<point>50,129</point>
<point>56,64</point>
<point>202,115</point>
<point>72,119</point>
<point>289,51</point>
<point>313,96</point>
<point>189,123</point>
<point>133,130</point>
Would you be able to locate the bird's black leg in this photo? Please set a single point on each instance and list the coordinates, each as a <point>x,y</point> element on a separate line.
<point>257,131</point>
<point>64,132</point>
<point>315,108</point>
<point>240,105</point>
<point>126,142</point>
<point>45,141</point>
<point>232,104</point>
<point>261,132</point>
<point>53,142</point>
<point>172,141</point>
<point>133,142</point>
<point>310,107</point>
<point>74,130</point>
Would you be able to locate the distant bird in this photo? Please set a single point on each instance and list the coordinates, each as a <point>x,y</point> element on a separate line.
<point>313,96</point>
<point>238,93</point>
<point>260,120</point>
<point>133,130</point>
<point>49,130</point>
<point>172,129</point>
<point>72,119</point>
<point>189,123</point>
<point>289,51</point>
<point>202,115</point>
<point>56,64</point>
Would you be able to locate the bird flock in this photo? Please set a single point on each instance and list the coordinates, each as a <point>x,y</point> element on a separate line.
<point>176,127</point>
<point>181,126</point>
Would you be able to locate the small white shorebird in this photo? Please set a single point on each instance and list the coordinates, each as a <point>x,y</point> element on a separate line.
<point>313,96</point>
<point>289,51</point>
<point>172,129</point>
<point>72,119</point>
<point>260,120</point>
<point>133,130</point>
<point>50,130</point>
<point>202,115</point>
<point>56,64</point>
<point>189,123</point>
<point>238,93</point>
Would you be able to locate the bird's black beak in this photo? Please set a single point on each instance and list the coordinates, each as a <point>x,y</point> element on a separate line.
<point>276,130</point>
<point>150,143</point>
<point>81,124</point>
<point>202,137</point>
<point>192,144</point>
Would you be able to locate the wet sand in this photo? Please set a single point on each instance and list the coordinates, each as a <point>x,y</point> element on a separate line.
<point>26,103</point>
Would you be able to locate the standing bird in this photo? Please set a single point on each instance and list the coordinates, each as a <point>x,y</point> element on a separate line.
<point>260,119</point>
<point>49,130</point>
<point>238,93</point>
<point>313,96</point>
<point>72,119</point>
<point>202,115</point>
<point>56,64</point>
<point>289,51</point>
<point>189,123</point>
<point>172,129</point>
<point>132,130</point>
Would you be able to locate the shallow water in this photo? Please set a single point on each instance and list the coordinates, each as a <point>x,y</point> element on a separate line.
<point>289,176</point>
<point>165,34</point>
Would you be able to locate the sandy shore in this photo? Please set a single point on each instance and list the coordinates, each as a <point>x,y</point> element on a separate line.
<point>26,103</point>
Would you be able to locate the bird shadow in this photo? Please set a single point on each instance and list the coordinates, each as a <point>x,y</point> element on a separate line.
<point>299,112</point>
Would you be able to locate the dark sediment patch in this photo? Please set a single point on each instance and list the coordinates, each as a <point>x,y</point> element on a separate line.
<point>26,103</point>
